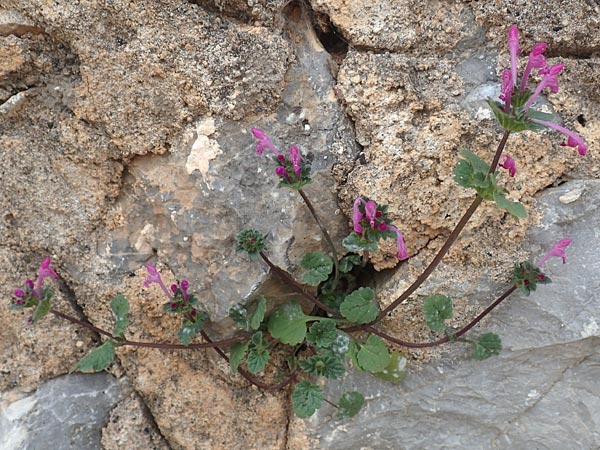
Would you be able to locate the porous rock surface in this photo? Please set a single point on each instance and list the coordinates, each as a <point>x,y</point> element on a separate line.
<point>124,137</point>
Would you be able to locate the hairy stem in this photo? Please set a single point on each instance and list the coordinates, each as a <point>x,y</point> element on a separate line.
<point>325,234</point>
<point>286,278</point>
<point>451,239</point>
<point>164,346</point>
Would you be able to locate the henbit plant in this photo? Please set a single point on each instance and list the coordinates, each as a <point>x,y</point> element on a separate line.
<point>340,323</point>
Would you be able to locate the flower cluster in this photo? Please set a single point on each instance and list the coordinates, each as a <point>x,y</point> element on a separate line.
<point>293,171</point>
<point>515,114</point>
<point>371,223</point>
<point>32,293</point>
<point>180,300</point>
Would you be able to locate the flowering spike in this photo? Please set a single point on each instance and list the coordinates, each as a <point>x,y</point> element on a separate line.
<point>264,142</point>
<point>357,216</point>
<point>548,80</point>
<point>400,242</point>
<point>557,250</point>
<point>509,164</point>
<point>536,60</point>
<point>370,211</point>
<point>513,46</point>
<point>573,140</point>
<point>296,159</point>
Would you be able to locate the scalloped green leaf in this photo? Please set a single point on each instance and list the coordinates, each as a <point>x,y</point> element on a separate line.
<point>319,267</point>
<point>348,262</point>
<point>236,355</point>
<point>189,329</point>
<point>355,243</point>
<point>396,369</point>
<point>350,404</point>
<point>436,309</point>
<point>306,399</point>
<point>360,306</point>
<point>373,356</point>
<point>510,122</point>
<point>322,333</point>
<point>42,309</point>
<point>323,364</point>
<point>516,209</point>
<point>488,344</point>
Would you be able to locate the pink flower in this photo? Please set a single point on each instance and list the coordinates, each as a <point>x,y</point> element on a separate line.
<point>558,250</point>
<point>282,172</point>
<point>573,140</point>
<point>549,79</point>
<point>506,89</point>
<point>296,159</point>
<point>513,47</point>
<point>44,272</point>
<point>154,277</point>
<point>536,60</point>
<point>371,211</point>
<point>509,164</point>
<point>400,243</point>
<point>357,216</point>
<point>264,142</point>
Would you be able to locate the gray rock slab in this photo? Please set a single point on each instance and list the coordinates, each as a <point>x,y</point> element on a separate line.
<point>542,392</point>
<point>66,413</point>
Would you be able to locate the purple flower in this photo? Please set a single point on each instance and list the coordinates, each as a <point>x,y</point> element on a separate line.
<point>282,172</point>
<point>558,250</point>
<point>509,164</point>
<point>371,211</point>
<point>548,80</point>
<point>400,242</point>
<point>264,142</point>
<point>513,46</point>
<point>19,293</point>
<point>573,140</point>
<point>357,216</point>
<point>154,277</point>
<point>536,60</point>
<point>44,272</point>
<point>184,287</point>
<point>506,89</point>
<point>296,159</point>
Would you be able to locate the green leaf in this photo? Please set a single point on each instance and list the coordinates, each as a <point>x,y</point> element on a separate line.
<point>373,355</point>
<point>534,114</point>
<point>510,122</point>
<point>348,262</point>
<point>239,314</point>
<point>189,330</point>
<point>319,267</point>
<point>396,370</point>
<point>120,309</point>
<point>306,399</point>
<point>258,356</point>
<point>236,355</point>
<point>359,306</point>
<point>356,243</point>
<point>288,323</point>
<point>350,404</point>
<point>42,309</point>
<point>487,345</point>
<point>436,309</point>
<point>323,364</point>
<point>98,359</point>
<point>322,333</point>
<point>353,349</point>
<point>478,164</point>
<point>516,209</point>
<point>341,345</point>
<point>259,313</point>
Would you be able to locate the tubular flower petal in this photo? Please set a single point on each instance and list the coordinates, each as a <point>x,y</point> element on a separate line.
<point>154,277</point>
<point>506,89</point>
<point>513,46</point>
<point>549,79</point>
<point>400,242</point>
<point>573,140</point>
<point>282,172</point>
<point>357,216</point>
<point>558,250</point>
<point>44,272</point>
<point>509,164</point>
<point>536,60</point>
<point>264,142</point>
<point>296,159</point>
<point>371,211</point>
